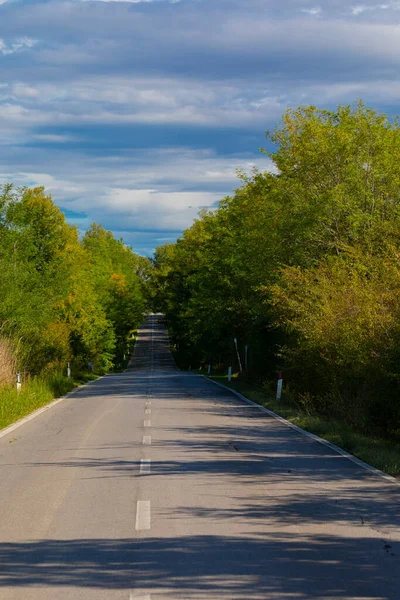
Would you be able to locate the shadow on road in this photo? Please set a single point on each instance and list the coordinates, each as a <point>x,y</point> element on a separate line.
<point>198,566</point>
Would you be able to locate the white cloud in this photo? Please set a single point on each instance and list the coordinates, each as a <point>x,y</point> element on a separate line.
<point>362,8</point>
<point>152,209</point>
<point>145,191</point>
<point>126,100</point>
<point>23,43</point>
<point>52,138</point>
<point>316,10</point>
<point>358,10</point>
<point>133,1</point>
<point>221,71</point>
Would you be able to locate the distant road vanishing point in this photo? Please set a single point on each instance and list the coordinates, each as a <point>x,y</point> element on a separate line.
<point>156,484</point>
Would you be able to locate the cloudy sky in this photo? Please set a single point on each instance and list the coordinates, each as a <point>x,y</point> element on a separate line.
<point>136,113</point>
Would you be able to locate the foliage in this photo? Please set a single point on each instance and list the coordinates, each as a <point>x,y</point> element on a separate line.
<point>62,299</point>
<point>114,273</point>
<point>301,265</point>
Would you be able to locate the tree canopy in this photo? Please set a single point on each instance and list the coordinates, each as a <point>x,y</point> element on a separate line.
<point>301,264</point>
<point>64,298</point>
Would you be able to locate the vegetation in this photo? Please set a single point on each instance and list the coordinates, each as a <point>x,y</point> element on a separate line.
<point>369,446</point>
<point>301,265</point>
<point>63,299</point>
<point>36,392</point>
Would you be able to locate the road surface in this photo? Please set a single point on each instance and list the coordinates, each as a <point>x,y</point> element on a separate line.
<point>158,485</point>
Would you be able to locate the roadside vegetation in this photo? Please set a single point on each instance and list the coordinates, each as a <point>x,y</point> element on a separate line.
<point>35,393</point>
<point>302,265</point>
<point>370,446</point>
<point>64,299</point>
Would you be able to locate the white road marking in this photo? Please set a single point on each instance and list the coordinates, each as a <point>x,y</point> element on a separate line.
<point>147,440</point>
<point>145,465</point>
<point>39,411</point>
<point>147,411</point>
<point>147,423</point>
<point>143,519</point>
<point>141,597</point>
<point>330,445</point>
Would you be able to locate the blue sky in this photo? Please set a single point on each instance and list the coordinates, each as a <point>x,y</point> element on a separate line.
<point>136,114</point>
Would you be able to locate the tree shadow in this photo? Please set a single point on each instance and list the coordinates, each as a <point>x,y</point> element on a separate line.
<point>208,567</point>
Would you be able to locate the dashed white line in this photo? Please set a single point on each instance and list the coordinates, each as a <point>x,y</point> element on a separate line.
<point>147,440</point>
<point>143,519</point>
<point>145,466</point>
<point>147,411</point>
<point>147,423</point>
<point>141,597</point>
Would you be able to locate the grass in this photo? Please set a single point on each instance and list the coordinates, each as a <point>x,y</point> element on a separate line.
<point>39,391</point>
<point>384,454</point>
<point>35,393</point>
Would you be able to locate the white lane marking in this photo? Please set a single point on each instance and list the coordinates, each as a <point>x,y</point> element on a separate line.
<point>139,596</point>
<point>147,440</point>
<point>308,434</point>
<point>145,466</point>
<point>147,423</point>
<point>39,411</point>
<point>143,519</point>
<point>147,411</point>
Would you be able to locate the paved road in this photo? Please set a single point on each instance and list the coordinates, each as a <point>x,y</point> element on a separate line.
<point>158,485</point>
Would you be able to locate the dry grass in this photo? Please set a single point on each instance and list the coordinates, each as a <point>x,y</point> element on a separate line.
<point>8,363</point>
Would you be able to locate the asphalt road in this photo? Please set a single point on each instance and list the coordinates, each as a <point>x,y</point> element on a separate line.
<point>158,485</point>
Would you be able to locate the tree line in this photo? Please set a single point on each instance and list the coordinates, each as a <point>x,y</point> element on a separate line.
<point>63,298</point>
<point>302,265</point>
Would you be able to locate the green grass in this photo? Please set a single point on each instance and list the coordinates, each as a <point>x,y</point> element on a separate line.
<point>35,393</point>
<point>384,454</point>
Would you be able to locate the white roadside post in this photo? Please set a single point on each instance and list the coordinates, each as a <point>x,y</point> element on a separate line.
<point>230,372</point>
<point>279,388</point>
<point>69,370</point>
<point>19,385</point>
<point>238,355</point>
<point>209,369</point>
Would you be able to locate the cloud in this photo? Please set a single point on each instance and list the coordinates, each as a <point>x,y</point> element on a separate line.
<point>150,209</point>
<point>362,8</point>
<point>52,138</point>
<point>137,113</point>
<point>133,1</point>
<point>117,101</point>
<point>7,47</point>
<point>316,10</point>
<point>158,192</point>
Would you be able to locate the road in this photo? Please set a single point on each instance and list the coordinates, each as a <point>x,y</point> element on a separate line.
<point>156,484</point>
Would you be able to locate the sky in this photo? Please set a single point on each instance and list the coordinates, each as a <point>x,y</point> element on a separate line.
<point>137,113</point>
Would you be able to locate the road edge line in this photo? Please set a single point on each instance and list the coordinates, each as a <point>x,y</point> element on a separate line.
<point>310,435</point>
<point>10,428</point>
